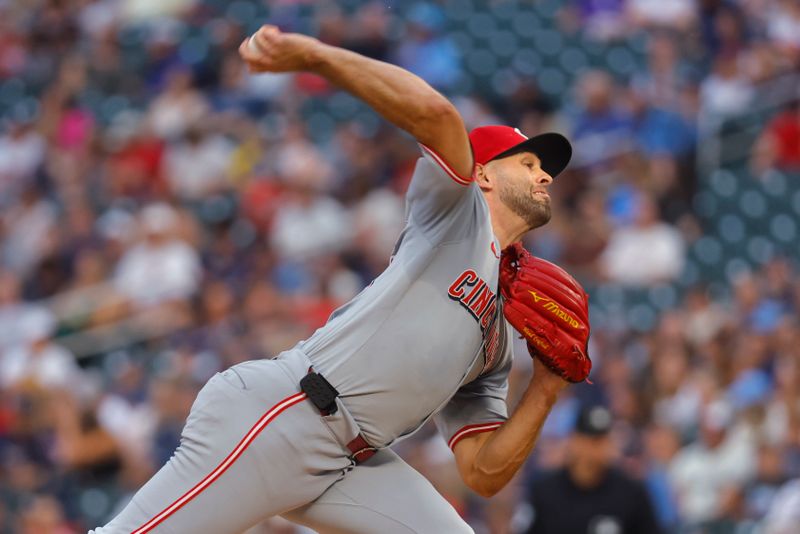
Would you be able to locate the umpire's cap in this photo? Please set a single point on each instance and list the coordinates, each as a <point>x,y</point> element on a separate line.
<point>493,142</point>
<point>593,421</point>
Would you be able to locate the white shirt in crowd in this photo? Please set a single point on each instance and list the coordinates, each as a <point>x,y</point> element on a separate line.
<point>301,230</point>
<point>783,24</point>
<point>53,366</point>
<point>28,230</point>
<point>20,156</point>
<point>196,170</point>
<point>725,95</point>
<point>699,474</point>
<point>644,255</point>
<point>379,219</point>
<point>660,13</point>
<point>152,273</point>
<point>783,516</point>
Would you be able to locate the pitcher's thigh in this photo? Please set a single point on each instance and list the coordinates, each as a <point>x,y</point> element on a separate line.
<point>382,495</point>
<point>238,463</point>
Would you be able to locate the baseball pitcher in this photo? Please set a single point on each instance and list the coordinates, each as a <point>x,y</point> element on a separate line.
<point>306,435</point>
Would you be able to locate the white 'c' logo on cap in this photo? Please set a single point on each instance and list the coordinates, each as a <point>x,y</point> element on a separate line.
<point>522,134</point>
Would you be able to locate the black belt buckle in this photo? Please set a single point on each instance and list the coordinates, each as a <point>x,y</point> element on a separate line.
<point>320,392</point>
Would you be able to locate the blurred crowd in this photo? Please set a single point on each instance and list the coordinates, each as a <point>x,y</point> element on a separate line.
<point>165,215</point>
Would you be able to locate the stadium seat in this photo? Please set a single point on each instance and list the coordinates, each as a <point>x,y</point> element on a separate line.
<point>731,228</point>
<point>242,12</point>
<point>707,250</point>
<point>760,249</point>
<point>503,43</point>
<point>724,183</point>
<point>481,25</point>
<point>573,59</point>
<point>735,267</point>
<point>549,42</point>
<point>641,317</point>
<point>527,61</point>
<point>752,204</point>
<point>662,296</point>
<point>796,202</point>
<point>481,62</point>
<point>705,204</point>
<point>526,24</point>
<point>621,60</point>
<point>775,183</point>
<point>552,81</point>
<point>459,10</point>
<point>783,228</point>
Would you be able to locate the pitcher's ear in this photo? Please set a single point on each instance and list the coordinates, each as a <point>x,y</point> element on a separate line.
<point>482,178</point>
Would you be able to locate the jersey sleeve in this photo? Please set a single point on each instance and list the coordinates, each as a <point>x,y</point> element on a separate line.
<point>438,198</point>
<point>479,406</point>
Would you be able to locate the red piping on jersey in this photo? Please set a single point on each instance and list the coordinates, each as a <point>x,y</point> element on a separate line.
<point>472,429</point>
<point>443,164</point>
<point>271,414</point>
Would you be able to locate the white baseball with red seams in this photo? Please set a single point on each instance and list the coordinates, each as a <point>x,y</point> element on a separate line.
<point>427,339</point>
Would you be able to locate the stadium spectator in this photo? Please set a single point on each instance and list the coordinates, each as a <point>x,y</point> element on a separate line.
<point>603,19</point>
<point>778,147</point>
<point>36,362</point>
<point>784,513</point>
<point>29,227</point>
<point>666,79</point>
<point>22,151</point>
<point>198,166</point>
<point>658,132</point>
<point>661,443</point>
<point>14,311</point>
<point>43,515</point>
<point>600,128</point>
<point>369,32</point>
<point>139,10</point>
<point>179,106</point>
<point>308,223</point>
<point>726,92</point>
<point>761,491</point>
<point>707,472</point>
<point>724,29</point>
<point>646,252</point>
<point>679,15</point>
<point>589,494</point>
<point>179,270</point>
<point>426,51</point>
<point>783,27</point>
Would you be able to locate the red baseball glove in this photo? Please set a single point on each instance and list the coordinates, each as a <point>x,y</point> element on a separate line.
<point>549,308</point>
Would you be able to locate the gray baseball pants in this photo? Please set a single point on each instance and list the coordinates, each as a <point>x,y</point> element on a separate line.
<point>254,447</point>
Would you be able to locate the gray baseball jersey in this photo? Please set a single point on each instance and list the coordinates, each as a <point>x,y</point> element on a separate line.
<point>428,324</point>
<point>425,339</point>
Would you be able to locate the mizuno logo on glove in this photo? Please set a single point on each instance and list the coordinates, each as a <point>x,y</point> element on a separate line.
<point>553,308</point>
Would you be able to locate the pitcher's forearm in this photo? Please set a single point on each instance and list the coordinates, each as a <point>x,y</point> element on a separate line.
<point>502,453</point>
<point>487,462</point>
<point>399,96</point>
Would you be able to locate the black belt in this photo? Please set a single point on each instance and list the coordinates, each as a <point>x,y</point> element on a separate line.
<point>323,395</point>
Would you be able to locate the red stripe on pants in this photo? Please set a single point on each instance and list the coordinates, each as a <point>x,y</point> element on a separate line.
<point>265,419</point>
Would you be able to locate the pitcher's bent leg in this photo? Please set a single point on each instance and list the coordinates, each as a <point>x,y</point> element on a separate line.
<point>384,494</point>
<point>247,452</point>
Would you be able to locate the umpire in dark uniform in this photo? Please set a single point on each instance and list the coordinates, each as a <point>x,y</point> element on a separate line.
<point>589,495</point>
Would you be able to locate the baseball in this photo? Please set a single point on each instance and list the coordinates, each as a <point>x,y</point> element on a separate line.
<point>252,45</point>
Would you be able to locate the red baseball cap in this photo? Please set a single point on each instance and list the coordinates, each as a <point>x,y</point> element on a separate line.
<point>493,142</point>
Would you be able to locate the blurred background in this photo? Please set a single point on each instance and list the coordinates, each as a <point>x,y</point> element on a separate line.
<point>164,215</point>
